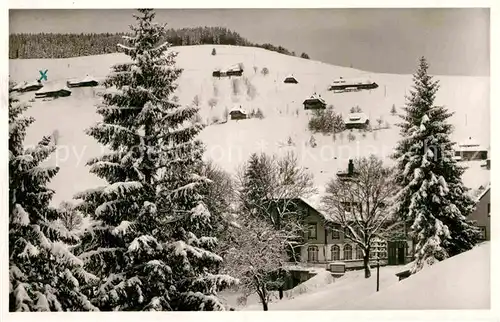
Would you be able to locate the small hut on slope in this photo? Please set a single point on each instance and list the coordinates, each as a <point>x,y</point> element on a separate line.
<point>88,81</point>
<point>54,91</point>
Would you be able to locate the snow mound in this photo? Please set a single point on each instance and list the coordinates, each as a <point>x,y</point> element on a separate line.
<point>319,280</point>
<point>460,282</point>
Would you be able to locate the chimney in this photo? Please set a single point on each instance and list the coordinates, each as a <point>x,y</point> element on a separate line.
<point>350,167</point>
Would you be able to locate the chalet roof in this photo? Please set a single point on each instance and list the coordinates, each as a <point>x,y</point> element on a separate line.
<point>26,84</point>
<point>290,76</point>
<point>470,145</point>
<point>235,67</point>
<point>238,109</point>
<point>53,88</point>
<point>483,192</point>
<point>88,78</point>
<point>352,80</point>
<point>356,118</point>
<point>315,97</point>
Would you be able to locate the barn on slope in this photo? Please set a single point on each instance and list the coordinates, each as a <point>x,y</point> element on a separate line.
<point>27,86</point>
<point>314,102</point>
<point>88,81</point>
<point>54,91</point>
<point>290,79</point>
<point>356,121</point>
<point>238,113</point>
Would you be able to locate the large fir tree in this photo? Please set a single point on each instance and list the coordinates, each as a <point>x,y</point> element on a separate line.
<point>433,198</point>
<point>44,274</point>
<point>151,245</point>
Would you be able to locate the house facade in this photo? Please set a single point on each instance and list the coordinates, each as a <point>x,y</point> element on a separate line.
<point>324,244</point>
<point>481,215</point>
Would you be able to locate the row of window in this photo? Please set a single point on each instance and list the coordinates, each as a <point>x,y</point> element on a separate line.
<point>347,254</point>
<point>312,231</point>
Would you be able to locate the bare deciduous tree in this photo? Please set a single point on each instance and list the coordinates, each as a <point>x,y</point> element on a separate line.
<point>257,252</point>
<point>70,217</point>
<point>270,188</point>
<point>360,204</point>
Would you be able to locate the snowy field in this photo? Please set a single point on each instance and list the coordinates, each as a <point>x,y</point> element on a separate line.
<point>231,143</point>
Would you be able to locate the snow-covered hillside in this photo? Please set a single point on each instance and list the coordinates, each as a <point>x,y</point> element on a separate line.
<point>231,143</point>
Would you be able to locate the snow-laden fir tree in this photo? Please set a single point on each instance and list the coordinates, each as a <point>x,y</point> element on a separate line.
<point>433,198</point>
<point>151,244</point>
<point>43,274</point>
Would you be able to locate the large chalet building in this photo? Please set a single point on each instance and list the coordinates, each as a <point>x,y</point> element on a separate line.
<point>324,242</point>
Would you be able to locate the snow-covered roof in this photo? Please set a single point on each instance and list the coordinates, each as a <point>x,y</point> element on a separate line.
<point>290,76</point>
<point>314,97</point>
<point>26,84</point>
<point>238,109</point>
<point>355,118</point>
<point>53,88</point>
<point>353,81</point>
<point>470,145</point>
<point>482,191</point>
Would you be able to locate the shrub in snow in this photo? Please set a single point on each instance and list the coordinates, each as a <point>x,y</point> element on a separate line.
<point>214,52</point>
<point>235,86</point>
<point>351,137</point>
<point>393,110</point>
<point>251,90</point>
<point>326,122</point>
<point>355,109</point>
<point>259,114</point>
<point>44,275</point>
<point>312,142</point>
<point>151,244</point>
<point>265,71</point>
<point>212,102</point>
<point>432,198</point>
<point>215,119</point>
<point>289,141</point>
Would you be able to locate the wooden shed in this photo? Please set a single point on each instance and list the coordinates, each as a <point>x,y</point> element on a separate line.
<point>356,121</point>
<point>238,113</point>
<point>27,86</point>
<point>53,91</point>
<point>314,102</point>
<point>290,79</point>
<point>88,81</point>
<point>234,70</point>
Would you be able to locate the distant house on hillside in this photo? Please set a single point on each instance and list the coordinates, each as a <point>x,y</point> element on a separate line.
<point>234,70</point>
<point>314,102</point>
<point>290,79</point>
<point>27,86</point>
<point>471,150</point>
<point>481,215</point>
<point>342,84</point>
<point>54,91</point>
<point>88,81</point>
<point>238,113</point>
<point>357,121</point>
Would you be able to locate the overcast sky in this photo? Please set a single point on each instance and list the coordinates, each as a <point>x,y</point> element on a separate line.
<point>455,41</point>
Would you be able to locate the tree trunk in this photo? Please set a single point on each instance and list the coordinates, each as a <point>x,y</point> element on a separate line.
<point>281,293</point>
<point>366,264</point>
<point>264,305</point>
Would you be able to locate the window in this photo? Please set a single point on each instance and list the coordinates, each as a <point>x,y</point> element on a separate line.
<point>312,231</point>
<point>359,252</point>
<point>482,232</point>
<point>312,254</point>
<point>335,252</point>
<point>336,232</point>
<point>347,252</point>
